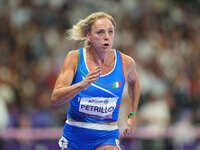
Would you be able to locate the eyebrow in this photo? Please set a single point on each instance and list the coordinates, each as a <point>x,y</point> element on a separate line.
<point>105,29</point>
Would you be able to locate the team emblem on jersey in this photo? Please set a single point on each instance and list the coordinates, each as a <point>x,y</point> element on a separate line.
<point>117,84</point>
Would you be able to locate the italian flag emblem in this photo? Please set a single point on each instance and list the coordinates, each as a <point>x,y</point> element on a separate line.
<point>116,84</point>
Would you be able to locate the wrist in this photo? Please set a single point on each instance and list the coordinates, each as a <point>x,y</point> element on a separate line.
<point>131,114</point>
<point>84,84</point>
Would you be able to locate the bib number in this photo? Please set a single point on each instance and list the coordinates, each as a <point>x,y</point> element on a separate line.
<point>102,107</point>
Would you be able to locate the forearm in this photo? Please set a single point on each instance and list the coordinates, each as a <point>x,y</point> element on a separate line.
<point>64,94</point>
<point>134,93</point>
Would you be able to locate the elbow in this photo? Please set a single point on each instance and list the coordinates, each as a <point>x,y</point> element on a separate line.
<point>57,100</point>
<point>54,101</point>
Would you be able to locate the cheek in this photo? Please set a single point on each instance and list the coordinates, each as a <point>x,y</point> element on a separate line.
<point>96,39</point>
<point>113,36</point>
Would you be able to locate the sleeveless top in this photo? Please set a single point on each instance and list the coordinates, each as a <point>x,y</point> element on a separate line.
<point>100,102</point>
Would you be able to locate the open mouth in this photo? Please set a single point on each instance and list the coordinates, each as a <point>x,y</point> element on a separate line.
<point>106,44</point>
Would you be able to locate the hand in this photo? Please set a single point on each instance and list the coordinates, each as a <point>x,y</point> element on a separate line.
<point>92,77</point>
<point>129,131</point>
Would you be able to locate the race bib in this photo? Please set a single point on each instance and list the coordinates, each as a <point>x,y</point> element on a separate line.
<point>102,107</point>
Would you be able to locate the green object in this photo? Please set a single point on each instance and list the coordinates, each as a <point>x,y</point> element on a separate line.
<point>131,113</point>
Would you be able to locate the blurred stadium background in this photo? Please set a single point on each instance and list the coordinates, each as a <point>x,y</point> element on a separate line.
<point>163,36</point>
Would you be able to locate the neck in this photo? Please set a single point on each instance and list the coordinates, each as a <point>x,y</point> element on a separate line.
<point>98,55</point>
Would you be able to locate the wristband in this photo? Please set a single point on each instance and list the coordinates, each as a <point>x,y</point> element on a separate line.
<point>131,113</point>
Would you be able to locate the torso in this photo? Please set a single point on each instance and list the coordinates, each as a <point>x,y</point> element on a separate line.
<point>108,69</point>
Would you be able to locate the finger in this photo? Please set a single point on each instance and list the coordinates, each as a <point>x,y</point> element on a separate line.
<point>94,72</point>
<point>98,68</point>
<point>93,80</point>
<point>125,132</point>
<point>94,76</point>
<point>128,132</point>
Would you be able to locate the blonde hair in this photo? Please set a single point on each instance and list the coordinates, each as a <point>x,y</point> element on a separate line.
<point>80,30</point>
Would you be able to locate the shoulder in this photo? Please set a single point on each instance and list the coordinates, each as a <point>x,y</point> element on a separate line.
<point>127,61</point>
<point>129,68</point>
<point>73,54</point>
<point>71,59</point>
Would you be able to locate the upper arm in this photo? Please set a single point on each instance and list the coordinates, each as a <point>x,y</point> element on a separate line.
<point>68,69</point>
<point>131,76</point>
<point>131,72</point>
<point>129,69</point>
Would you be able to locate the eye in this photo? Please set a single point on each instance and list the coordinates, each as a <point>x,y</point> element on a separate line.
<point>111,31</point>
<point>100,31</point>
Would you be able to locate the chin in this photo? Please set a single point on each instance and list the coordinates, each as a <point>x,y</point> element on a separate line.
<point>106,47</point>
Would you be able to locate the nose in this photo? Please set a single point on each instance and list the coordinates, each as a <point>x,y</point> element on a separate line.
<point>106,36</point>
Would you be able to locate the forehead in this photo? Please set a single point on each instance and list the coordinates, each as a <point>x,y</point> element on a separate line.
<point>102,23</point>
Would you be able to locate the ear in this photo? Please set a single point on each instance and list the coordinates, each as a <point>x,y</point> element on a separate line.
<point>88,36</point>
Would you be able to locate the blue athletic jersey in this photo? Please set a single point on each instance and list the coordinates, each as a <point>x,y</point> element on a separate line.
<point>100,102</point>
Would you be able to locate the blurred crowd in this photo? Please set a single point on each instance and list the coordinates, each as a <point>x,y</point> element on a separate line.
<point>162,37</point>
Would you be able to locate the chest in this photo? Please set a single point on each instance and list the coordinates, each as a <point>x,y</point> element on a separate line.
<point>105,68</point>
